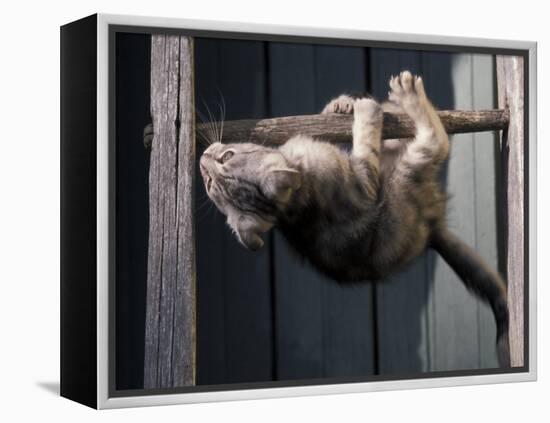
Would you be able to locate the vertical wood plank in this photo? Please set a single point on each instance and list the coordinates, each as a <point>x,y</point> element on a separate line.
<point>184,342</point>
<point>483,96</point>
<point>169,330</point>
<point>234,288</point>
<point>248,339</point>
<point>300,352</point>
<point>133,86</point>
<point>347,311</point>
<point>324,329</point>
<point>401,300</point>
<point>209,230</point>
<point>510,81</point>
<point>339,70</point>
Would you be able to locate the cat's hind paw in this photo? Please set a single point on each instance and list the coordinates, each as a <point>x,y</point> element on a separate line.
<point>342,104</point>
<point>407,91</point>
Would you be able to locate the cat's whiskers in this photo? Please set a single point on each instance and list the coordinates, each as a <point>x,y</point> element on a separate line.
<point>207,131</point>
<point>203,137</point>
<point>212,122</point>
<point>211,129</point>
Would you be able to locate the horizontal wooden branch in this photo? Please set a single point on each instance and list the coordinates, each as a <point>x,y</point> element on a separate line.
<point>336,128</point>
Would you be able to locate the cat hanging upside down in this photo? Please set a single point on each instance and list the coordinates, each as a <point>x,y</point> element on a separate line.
<point>357,215</point>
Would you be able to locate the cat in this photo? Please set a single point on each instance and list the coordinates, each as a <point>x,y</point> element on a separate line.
<point>354,215</point>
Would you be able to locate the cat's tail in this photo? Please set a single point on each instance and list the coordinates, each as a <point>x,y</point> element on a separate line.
<point>479,278</point>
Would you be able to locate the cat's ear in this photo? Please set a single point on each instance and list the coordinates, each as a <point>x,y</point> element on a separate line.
<point>280,183</point>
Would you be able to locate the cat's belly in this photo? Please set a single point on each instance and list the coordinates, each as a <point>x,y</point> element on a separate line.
<point>336,257</point>
<point>365,255</point>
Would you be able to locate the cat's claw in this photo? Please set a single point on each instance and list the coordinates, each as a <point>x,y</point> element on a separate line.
<point>342,104</point>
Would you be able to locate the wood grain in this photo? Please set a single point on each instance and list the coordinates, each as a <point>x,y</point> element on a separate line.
<point>510,95</point>
<point>169,331</point>
<point>336,128</point>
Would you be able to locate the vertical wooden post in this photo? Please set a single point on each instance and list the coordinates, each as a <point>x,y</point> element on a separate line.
<point>170,308</point>
<point>510,95</point>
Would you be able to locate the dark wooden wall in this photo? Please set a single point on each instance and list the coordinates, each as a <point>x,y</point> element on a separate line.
<point>268,316</point>
<point>299,324</point>
<point>133,69</point>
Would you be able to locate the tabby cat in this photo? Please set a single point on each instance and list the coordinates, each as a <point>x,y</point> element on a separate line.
<point>355,215</point>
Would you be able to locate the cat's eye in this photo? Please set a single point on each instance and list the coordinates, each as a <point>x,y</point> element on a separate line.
<point>226,156</point>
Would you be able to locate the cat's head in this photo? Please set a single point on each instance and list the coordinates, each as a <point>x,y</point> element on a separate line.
<point>250,184</point>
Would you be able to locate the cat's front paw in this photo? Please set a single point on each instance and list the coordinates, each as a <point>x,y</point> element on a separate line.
<point>148,134</point>
<point>407,91</point>
<point>342,104</point>
<point>368,111</point>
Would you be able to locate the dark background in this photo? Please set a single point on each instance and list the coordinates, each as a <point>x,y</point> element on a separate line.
<point>266,316</point>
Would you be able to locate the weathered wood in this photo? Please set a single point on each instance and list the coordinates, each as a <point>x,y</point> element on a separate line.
<point>170,303</point>
<point>510,95</point>
<point>337,127</point>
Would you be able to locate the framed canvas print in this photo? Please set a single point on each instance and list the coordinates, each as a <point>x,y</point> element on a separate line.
<point>255,211</point>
